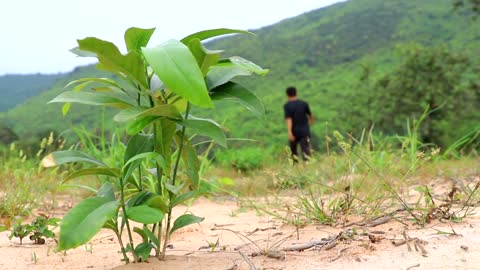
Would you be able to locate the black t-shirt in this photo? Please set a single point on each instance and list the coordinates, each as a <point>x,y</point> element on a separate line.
<point>299,111</point>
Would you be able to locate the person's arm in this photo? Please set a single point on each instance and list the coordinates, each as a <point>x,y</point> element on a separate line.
<point>310,115</point>
<point>289,128</point>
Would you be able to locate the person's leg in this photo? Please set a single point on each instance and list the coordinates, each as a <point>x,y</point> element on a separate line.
<point>293,149</point>
<point>305,145</point>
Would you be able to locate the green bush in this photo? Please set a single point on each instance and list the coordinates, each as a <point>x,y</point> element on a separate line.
<point>243,159</point>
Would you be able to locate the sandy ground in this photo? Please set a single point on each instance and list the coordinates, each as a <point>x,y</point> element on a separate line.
<point>444,251</point>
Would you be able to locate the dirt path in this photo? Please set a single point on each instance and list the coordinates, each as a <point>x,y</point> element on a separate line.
<point>444,251</point>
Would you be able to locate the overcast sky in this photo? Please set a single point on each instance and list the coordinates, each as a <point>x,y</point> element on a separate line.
<point>37,34</point>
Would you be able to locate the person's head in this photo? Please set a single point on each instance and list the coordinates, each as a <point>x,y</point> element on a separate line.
<point>291,92</point>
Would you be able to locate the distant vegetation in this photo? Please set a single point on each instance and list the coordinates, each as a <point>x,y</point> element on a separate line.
<point>326,54</point>
<point>15,89</point>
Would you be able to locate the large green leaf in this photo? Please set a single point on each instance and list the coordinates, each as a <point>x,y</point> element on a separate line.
<point>230,68</point>
<point>85,220</point>
<point>138,113</point>
<point>235,92</point>
<point>178,69</point>
<point>206,127</point>
<point>113,172</point>
<point>136,38</point>
<point>185,220</point>
<point>67,156</point>
<point>115,100</point>
<point>202,35</point>
<point>145,214</point>
<point>110,59</point>
<point>205,57</point>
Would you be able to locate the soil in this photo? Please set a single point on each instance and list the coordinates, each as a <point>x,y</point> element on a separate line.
<point>457,247</point>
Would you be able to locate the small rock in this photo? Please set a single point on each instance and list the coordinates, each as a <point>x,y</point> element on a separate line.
<point>464,247</point>
<point>358,259</point>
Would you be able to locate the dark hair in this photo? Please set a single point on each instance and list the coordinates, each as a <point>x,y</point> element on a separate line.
<point>291,91</point>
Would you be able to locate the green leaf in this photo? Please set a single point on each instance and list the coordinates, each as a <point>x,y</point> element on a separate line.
<point>185,220</point>
<point>141,198</point>
<point>110,59</point>
<point>86,81</point>
<point>202,35</point>
<point>81,53</point>
<point>93,171</point>
<point>206,127</point>
<point>67,156</point>
<point>183,197</point>
<point>205,58</point>
<point>115,100</point>
<point>137,126</point>
<point>136,113</point>
<point>191,161</point>
<point>230,68</point>
<point>143,250</point>
<point>145,214</point>
<point>158,201</point>
<point>149,156</point>
<point>85,220</point>
<point>106,191</point>
<point>178,69</point>
<point>140,143</point>
<point>152,237</point>
<point>235,92</point>
<point>136,38</point>
<point>142,233</point>
<point>165,132</point>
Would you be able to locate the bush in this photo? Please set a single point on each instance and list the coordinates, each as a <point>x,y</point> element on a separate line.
<point>243,159</point>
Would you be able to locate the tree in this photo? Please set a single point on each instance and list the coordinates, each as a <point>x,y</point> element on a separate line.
<point>474,5</point>
<point>436,79</point>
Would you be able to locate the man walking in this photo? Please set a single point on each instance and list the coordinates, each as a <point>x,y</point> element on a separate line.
<point>299,118</point>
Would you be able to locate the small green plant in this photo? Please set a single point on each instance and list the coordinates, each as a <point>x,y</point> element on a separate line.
<point>20,230</point>
<point>155,90</point>
<point>42,227</point>
<point>38,230</point>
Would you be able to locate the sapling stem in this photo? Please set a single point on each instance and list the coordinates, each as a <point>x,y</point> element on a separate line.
<point>124,210</point>
<point>174,178</point>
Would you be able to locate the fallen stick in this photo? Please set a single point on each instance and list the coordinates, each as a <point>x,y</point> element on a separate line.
<point>258,229</point>
<point>379,221</point>
<point>308,245</point>
<point>249,262</point>
<point>413,266</point>
<point>339,254</point>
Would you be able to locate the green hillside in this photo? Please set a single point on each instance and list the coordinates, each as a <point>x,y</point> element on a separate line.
<point>15,89</point>
<point>320,52</point>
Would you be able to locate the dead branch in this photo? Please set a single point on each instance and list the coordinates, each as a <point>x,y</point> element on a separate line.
<point>249,262</point>
<point>309,245</point>
<point>339,254</point>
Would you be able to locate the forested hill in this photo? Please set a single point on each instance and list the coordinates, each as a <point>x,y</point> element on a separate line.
<point>14,89</point>
<point>322,52</point>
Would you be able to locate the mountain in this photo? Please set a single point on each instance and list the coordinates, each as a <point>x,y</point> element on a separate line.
<point>15,89</point>
<point>320,52</point>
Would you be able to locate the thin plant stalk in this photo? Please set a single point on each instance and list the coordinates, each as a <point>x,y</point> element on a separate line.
<point>127,223</point>
<point>174,178</point>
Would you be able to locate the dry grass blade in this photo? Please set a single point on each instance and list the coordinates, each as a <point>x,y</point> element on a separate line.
<point>249,262</point>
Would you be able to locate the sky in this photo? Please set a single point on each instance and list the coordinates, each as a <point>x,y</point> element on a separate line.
<point>36,35</point>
